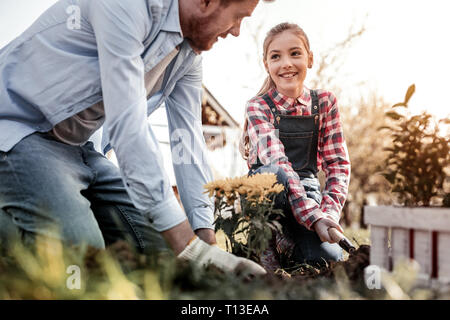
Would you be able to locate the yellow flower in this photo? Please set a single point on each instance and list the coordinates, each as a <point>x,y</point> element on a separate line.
<point>256,188</point>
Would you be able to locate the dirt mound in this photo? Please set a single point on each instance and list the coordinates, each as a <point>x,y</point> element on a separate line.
<point>354,267</point>
<point>355,264</point>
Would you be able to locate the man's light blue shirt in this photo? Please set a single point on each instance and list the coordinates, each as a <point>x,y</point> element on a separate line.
<point>62,65</point>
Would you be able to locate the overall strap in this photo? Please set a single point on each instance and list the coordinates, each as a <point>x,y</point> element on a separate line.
<point>274,111</point>
<point>314,102</point>
<point>315,142</point>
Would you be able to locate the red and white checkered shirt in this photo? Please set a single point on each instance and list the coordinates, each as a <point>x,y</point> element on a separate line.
<point>332,154</point>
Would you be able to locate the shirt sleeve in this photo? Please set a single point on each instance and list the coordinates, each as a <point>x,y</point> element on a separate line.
<point>120,30</point>
<point>335,162</point>
<point>192,172</point>
<point>264,138</point>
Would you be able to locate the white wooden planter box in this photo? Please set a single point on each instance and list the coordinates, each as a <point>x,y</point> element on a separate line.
<point>422,234</point>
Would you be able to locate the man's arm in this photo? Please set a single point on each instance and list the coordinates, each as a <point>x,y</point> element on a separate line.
<point>183,107</point>
<point>120,27</point>
<point>119,30</point>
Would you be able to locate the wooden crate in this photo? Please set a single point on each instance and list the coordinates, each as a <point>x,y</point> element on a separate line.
<point>422,234</point>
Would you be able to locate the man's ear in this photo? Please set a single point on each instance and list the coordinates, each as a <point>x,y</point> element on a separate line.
<point>207,5</point>
<point>310,60</point>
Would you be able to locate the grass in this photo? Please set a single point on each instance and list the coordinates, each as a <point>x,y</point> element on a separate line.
<point>120,273</point>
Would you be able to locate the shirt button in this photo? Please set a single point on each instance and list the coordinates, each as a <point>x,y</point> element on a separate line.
<point>278,119</point>
<point>316,118</point>
<point>315,107</point>
<point>273,109</point>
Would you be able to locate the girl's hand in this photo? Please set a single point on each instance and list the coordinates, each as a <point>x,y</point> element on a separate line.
<point>321,227</point>
<point>244,147</point>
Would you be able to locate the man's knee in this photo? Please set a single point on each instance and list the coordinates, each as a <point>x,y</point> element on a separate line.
<point>122,222</point>
<point>12,231</point>
<point>84,238</point>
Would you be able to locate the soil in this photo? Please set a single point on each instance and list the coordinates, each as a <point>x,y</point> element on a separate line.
<point>185,280</point>
<point>354,268</point>
<point>354,265</point>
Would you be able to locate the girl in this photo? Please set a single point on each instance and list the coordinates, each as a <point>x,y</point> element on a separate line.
<point>293,131</point>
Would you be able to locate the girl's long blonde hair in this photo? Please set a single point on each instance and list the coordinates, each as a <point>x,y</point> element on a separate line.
<point>268,82</point>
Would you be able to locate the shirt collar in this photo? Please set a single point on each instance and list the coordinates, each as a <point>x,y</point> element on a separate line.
<point>172,19</point>
<point>287,102</point>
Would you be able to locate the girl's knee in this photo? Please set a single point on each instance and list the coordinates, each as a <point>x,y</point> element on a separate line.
<point>318,255</point>
<point>332,252</point>
<point>275,169</point>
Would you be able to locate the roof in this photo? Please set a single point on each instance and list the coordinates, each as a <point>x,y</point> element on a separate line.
<point>209,99</point>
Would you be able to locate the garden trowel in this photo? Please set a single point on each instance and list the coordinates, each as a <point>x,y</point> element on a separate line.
<point>343,242</point>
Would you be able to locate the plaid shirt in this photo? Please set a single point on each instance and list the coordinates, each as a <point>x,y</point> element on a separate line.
<point>332,155</point>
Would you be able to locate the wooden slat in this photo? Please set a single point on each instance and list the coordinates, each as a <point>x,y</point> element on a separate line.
<point>379,247</point>
<point>399,244</point>
<point>422,251</point>
<point>436,219</point>
<point>444,257</point>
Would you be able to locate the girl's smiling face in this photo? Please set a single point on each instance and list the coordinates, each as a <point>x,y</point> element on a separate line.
<point>287,61</point>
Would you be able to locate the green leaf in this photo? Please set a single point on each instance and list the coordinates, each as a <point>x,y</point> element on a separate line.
<point>409,93</point>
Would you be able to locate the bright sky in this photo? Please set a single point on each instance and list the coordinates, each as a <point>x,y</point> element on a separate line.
<point>406,42</point>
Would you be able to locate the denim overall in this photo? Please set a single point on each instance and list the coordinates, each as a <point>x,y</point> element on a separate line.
<point>300,135</point>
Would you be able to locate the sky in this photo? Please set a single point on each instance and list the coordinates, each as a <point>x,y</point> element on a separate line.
<point>405,42</point>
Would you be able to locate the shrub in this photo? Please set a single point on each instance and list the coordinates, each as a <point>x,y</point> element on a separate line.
<point>419,157</point>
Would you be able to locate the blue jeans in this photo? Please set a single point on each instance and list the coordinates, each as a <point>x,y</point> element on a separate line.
<point>308,246</point>
<point>71,193</point>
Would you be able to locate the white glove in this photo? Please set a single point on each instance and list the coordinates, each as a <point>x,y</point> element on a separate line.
<point>204,254</point>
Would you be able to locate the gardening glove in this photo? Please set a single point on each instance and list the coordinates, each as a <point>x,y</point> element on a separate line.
<point>204,254</point>
<point>321,227</point>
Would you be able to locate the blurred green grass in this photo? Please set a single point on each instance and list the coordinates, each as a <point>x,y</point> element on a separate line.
<point>120,273</point>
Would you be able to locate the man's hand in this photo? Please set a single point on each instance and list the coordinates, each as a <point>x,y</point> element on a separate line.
<point>322,225</point>
<point>207,235</point>
<point>203,254</point>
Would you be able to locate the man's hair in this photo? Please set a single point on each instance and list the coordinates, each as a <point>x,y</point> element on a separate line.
<point>227,2</point>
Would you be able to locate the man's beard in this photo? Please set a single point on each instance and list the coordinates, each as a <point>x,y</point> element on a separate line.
<point>201,39</point>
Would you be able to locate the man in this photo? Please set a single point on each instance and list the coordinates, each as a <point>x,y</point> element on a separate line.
<point>88,63</point>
